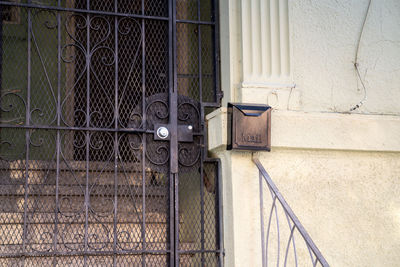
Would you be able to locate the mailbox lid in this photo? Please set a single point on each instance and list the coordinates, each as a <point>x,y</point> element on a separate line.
<point>250,109</point>
<point>249,126</point>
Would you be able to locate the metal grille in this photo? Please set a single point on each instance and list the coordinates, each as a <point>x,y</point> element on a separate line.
<point>83,179</point>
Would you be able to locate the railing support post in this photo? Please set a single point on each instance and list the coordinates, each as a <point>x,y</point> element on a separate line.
<point>263,250</point>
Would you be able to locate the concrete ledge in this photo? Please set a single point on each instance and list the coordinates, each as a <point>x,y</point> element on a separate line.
<point>292,129</point>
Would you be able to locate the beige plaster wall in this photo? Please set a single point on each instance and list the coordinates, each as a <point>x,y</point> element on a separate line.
<point>338,170</point>
<point>324,35</point>
<point>241,214</point>
<point>348,201</point>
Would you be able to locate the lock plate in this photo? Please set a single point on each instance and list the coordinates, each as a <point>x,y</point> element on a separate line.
<point>185,132</point>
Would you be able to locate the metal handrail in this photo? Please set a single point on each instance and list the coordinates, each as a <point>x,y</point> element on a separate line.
<point>293,223</point>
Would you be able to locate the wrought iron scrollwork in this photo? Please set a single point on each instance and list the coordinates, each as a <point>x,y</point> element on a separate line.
<point>83,180</point>
<point>157,111</point>
<point>189,112</point>
<point>189,154</point>
<point>43,110</point>
<point>12,107</point>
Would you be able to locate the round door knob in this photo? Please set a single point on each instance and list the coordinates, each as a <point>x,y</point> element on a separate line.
<point>162,132</point>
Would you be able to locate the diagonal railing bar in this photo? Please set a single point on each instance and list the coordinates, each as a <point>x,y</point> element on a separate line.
<point>276,195</point>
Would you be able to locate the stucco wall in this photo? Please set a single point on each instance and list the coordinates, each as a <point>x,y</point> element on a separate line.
<point>324,36</point>
<point>339,170</point>
<point>348,201</point>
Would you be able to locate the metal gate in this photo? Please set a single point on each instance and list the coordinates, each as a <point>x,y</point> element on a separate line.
<point>103,156</point>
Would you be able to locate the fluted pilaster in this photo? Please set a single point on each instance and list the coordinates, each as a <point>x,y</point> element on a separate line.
<point>265,43</point>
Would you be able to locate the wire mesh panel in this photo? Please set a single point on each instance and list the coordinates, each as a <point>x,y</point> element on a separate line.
<point>199,216</point>
<point>83,180</point>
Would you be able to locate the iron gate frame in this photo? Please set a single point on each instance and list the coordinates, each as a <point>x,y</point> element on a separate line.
<point>173,115</point>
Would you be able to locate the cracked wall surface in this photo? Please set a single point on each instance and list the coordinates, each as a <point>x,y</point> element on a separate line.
<point>324,40</point>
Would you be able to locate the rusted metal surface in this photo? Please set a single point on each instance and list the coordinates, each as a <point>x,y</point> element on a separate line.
<point>249,127</point>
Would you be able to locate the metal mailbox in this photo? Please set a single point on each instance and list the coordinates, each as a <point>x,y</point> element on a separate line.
<point>249,127</point>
